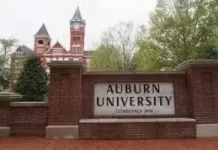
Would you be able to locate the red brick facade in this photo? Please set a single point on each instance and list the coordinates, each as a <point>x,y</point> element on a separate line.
<point>56,52</point>
<point>71,100</point>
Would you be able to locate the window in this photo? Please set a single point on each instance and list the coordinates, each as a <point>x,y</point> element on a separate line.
<point>18,54</point>
<point>76,47</point>
<point>40,41</point>
<point>76,38</point>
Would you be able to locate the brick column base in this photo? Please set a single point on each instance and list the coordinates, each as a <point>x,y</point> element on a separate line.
<point>62,131</point>
<point>5,99</point>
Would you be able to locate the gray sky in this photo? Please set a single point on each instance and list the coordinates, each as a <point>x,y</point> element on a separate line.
<point>22,18</point>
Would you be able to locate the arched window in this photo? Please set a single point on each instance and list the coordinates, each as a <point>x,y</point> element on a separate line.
<point>40,41</point>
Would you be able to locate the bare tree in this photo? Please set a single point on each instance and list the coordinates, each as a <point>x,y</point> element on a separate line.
<point>6,46</point>
<point>5,50</point>
<point>122,37</point>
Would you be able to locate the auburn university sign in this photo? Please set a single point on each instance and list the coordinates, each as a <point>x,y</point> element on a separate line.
<point>129,99</point>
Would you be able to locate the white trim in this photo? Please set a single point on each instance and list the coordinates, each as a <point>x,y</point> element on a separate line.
<point>75,45</point>
<point>77,54</point>
<point>46,55</point>
<point>58,48</point>
<point>42,36</point>
<point>27,104</point>
<point>134,120</point>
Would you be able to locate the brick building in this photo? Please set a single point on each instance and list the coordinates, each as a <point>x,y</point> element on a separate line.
<point>56,52</point>
<point>18,59</point>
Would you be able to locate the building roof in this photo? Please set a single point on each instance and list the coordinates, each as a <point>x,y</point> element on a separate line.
<point>57,45</point>
<point>77,17</point>
<point>24,49</point>
<point>88,53</point>
<point>77,14</point>
<point>43,31</point>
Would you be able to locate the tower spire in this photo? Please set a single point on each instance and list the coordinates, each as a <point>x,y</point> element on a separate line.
<point>43,31</point>
<point>77,17</point>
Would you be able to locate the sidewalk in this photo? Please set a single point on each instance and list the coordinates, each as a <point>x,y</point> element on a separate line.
<point>35,143</point>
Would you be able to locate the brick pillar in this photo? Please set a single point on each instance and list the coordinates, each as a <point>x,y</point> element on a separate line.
<point>64,99</point>
<point>203,89</point>
<point>5,99</point>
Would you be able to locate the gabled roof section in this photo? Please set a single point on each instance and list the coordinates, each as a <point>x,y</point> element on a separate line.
<point>77,17</point>
<point>43,31</point>
<point>57,46</point>
<point>24,49</point>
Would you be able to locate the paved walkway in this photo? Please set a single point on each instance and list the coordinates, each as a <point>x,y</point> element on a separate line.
<point>18,143</point>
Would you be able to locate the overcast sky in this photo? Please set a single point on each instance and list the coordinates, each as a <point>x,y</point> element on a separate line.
<point>22,18</point>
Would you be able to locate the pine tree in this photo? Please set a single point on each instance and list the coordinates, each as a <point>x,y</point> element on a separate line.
<point>32,83</point>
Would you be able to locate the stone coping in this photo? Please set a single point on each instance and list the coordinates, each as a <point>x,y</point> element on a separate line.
<point>197,63</point>
<point>10,96</point>
<point>28,104</point>
<point>136,120</point>
<point>62,126</point>
<point>66,64</point>
<point>134,73</point>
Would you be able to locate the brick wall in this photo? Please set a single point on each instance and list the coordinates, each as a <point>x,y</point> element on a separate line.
<point>71,98</point>
<point>183,107</point>
<point>26,120</point>
<point>203,81</point>
<point>137,131</point>
<point>4,113</point>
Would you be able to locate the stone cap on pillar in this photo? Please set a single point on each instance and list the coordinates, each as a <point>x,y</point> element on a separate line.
<point>10,96</point>
<point>66,64</point>
<point>198,63</point>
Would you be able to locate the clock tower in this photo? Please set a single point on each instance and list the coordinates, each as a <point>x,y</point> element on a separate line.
<point>77,34</point>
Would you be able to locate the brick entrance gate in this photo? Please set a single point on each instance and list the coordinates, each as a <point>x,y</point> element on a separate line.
<point>70,110</point>
<point>71,102</point>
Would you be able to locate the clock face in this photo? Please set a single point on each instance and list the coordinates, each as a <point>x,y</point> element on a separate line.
<point>76,26</point>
